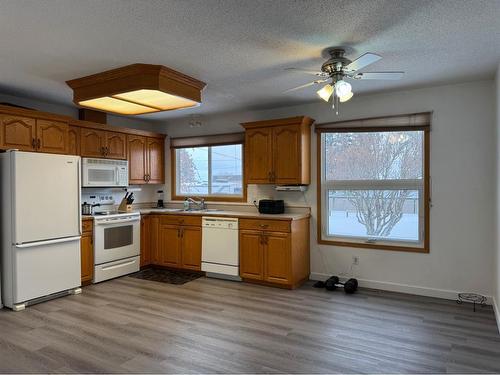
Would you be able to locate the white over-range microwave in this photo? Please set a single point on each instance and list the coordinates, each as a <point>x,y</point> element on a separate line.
<point>104,172</point>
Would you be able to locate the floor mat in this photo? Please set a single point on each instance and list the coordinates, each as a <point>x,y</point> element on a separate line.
<point>166,276</point>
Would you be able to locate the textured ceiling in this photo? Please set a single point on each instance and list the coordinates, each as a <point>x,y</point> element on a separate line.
<point>240,48</point>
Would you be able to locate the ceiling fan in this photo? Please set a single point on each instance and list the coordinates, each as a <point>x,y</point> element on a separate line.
<point>336,69</point>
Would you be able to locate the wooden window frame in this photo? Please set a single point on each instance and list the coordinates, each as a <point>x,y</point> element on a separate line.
<point>207,198</point>
<point>426,187</point>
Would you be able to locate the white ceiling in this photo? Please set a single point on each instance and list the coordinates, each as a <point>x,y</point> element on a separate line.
<point>240,47</point>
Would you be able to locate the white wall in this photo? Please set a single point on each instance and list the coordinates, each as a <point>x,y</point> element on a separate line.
<point>462,236</point>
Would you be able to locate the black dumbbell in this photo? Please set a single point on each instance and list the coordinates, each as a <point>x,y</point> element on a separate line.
<point>350,286</point>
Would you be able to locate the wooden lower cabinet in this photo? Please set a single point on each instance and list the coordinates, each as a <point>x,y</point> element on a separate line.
<point>277,265</point>
<point>87,252</point>
<point>145,240</point>
<point>272,257</point>
<point>171,241</point>
<point>191,248</point>
<point>251,255</point>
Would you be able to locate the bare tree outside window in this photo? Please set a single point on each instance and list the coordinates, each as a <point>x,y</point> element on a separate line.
<point>373,168</point>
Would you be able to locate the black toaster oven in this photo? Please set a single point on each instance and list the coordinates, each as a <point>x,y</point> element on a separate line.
<point>271,206</point>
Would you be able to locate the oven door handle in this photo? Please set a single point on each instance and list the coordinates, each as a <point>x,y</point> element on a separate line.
<point>115,221</point>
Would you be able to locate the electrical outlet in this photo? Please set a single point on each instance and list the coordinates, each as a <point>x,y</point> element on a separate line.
<point>355,260</point>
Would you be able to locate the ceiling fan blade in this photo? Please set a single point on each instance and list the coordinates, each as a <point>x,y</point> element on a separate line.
<point>306,85</point>
<point>313,72</point>
<point>379,75</point>
<point>362,61</point>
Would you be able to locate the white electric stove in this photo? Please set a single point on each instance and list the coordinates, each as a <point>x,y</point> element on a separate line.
<point>116,244</point>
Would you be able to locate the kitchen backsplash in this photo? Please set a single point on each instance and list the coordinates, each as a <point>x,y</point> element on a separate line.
<point>147,194</point>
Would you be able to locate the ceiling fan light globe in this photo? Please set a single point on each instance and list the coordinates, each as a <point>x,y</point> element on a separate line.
<point>325,93</point>
<point>342,88</point>
<point>346,97</point>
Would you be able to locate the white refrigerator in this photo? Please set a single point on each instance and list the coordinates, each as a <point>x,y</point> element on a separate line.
<point>40,226</point>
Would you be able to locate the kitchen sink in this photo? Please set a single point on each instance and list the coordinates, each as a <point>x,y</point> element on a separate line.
<point>166,209</point>
<point>204,210</point>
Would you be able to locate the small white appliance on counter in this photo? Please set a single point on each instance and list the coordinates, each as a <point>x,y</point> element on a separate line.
<point>40,226</point>
<point>104,172</point>
<point>116,244</point>
<point>220,252</point>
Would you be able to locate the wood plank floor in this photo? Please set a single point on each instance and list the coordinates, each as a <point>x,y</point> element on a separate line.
<point>215,326</point>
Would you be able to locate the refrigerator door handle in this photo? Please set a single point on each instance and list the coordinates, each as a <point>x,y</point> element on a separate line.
<point>47,242</point>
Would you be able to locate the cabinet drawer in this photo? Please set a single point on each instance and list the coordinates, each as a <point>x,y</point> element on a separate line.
<point>267,225</point>
<point>87,225</point>
<point>181,220</point>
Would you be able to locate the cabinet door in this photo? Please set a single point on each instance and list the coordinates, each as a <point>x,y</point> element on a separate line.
<point>145,240</point>
<point>191,248</point>
<point>87,257</point>
<point>74,140</point>
<point>251,255</point>
<point>52,136</point>
<point>154,224</point>
<point>92,142</point>
<point>169,243</point>
<point>258,155</point>
<point>17,132</point>
<point>116,145</point>
<point>137,159</point>
<point>277,265</point>
<point>287,154</point>
<point>156,158</point>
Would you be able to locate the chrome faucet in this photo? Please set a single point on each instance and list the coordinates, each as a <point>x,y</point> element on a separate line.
<point>201,204</point>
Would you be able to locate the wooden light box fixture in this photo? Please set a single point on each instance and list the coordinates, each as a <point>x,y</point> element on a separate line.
<point>137,89</point>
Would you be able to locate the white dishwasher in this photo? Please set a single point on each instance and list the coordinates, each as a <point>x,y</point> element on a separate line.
<point>220,253</point>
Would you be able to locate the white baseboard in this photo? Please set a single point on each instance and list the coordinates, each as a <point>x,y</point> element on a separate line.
<point>403,288</point>
<point>497,312</point>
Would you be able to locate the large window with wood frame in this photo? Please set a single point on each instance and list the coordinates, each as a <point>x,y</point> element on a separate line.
<point>210,171</point>
<point>374,187</point>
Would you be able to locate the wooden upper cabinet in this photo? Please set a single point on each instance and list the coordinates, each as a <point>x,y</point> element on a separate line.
<point>52,136</point>
<point>74,140</point>
<point>156,160</point>
<point>278,151</point>
<point>116,145</point>
<point>146,160</point>
<point>137,159</point>
<point>258,155</point>
<point>18,132</point>
<point>287,151</point>
<point>92,142</point>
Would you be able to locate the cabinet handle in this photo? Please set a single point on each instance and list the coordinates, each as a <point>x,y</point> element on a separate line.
<point>33,143</point>
<point>178,232</point>
<point>270,176</point>
<point>38,143</point>
<point>102,151</point>
<point>182,232</point>
<point>273,176</point>
<point>264,225</point>
<point>107,150</point>
<point>146,177</point>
